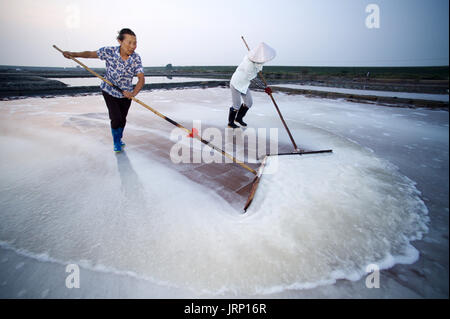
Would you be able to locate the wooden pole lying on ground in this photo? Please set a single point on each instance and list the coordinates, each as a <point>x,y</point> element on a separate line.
<point>166,118</point>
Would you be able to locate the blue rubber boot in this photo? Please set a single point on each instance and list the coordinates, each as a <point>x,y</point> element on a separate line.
<point>116,139</point>
<point>121,134</point>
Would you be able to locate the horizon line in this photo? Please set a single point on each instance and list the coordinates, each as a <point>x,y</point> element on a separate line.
<point>291,66</point>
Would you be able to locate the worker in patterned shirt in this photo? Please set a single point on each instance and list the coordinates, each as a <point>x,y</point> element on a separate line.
<point>122,64</point>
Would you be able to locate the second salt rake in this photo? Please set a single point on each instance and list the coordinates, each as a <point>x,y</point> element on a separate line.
<point>296,151</point>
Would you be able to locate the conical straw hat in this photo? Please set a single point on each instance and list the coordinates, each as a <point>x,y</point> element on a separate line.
<point>262,53</point>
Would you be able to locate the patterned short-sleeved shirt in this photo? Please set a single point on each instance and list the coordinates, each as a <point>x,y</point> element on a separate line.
<point>118,71</point>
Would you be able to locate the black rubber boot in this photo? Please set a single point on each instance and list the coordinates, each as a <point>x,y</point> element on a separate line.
<point>231,117</point>
<point>240,115</point>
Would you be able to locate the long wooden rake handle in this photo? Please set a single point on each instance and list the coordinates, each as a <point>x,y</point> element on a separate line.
<point>165,117</point>
<point>275,104</point>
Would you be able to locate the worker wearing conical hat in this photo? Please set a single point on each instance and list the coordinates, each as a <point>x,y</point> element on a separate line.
<point>240,82</point>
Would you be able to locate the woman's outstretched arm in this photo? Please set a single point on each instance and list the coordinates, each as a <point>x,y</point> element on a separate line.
<point>83,54</point>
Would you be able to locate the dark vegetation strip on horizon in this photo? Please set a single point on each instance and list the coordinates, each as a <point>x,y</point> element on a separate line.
<point>415,73</point>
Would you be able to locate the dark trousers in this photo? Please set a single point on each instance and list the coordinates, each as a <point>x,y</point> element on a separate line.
<point>117,109</point>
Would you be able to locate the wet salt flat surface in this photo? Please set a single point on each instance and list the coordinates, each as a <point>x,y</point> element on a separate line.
<point>148,80</point>
<point>139,225</point>
<point>405,95</point>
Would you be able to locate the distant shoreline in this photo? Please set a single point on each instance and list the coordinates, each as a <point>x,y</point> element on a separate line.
<point>369,99</point>
<point>306,73</point>
<point>83,90</point>
<point>21,82</point>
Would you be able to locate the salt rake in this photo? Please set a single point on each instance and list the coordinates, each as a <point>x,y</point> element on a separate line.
<point>192,133</point>
<point>296,151</point>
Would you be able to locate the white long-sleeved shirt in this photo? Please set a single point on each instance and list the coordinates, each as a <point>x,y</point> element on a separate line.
<point>245,72</point>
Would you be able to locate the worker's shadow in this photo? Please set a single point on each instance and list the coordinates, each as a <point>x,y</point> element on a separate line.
<point>132,187</point>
